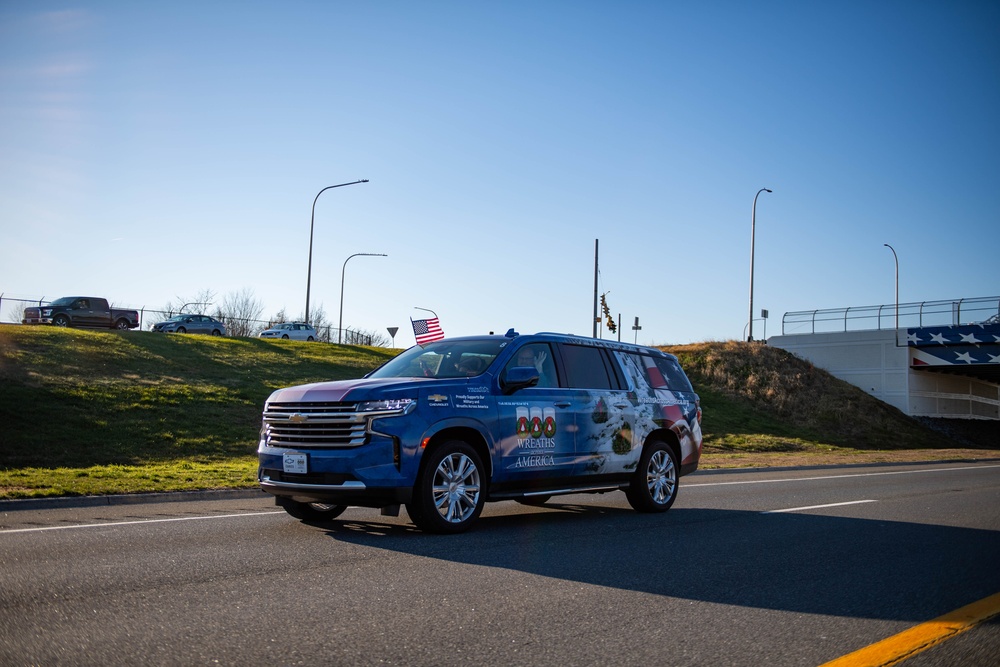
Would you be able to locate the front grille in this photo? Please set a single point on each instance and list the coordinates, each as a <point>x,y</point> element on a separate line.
<point>304,425</point>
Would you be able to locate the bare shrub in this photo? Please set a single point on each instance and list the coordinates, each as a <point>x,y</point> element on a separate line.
<point>240,311</point>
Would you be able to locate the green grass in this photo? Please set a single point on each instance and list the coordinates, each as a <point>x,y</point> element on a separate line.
<point>95,412</point>
<point>87,412</point>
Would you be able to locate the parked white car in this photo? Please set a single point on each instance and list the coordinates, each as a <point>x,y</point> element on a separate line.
<point>290,330</point>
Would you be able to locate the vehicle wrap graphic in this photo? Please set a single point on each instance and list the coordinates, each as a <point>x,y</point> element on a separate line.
<point>368,441</point>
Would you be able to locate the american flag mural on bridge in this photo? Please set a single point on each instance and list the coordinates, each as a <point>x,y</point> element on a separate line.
<point>971,346</point>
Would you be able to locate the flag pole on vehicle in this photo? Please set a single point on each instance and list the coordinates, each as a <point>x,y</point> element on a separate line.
<point>426,330</point>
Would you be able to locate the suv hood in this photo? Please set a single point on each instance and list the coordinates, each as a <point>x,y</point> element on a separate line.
<point>348,390</point>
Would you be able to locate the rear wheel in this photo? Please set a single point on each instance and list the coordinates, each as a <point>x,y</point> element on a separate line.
<point>310,339</point>
<point>654,486</point>
<point>313,511</point>
<point>123,324</point>
<point>449,494</point>
<point>216,332</point>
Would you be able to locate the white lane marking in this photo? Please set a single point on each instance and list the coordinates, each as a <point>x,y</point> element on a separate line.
<point>694,485</point>
<point>132,523</point>
<point>817,507</point>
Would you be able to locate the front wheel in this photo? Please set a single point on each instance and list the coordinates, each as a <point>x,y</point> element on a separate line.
<point>313,511</point>
<point>654,486</point>
<point>181,330</point>
<point>61,321</point>
<point>449,495</point>
<point>284,336</point>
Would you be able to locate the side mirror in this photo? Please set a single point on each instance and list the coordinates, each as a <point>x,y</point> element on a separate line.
<point>519,377</point>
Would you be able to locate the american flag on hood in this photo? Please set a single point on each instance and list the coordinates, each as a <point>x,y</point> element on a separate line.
<point>427,331</point>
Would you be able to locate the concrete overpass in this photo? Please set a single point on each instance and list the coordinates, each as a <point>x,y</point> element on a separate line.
<point>930,359</point>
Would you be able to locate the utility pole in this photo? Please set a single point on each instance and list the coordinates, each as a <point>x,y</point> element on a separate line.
<point>596,316</point>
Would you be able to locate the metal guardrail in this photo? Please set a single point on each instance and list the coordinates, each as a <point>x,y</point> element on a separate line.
<point>875,318</point>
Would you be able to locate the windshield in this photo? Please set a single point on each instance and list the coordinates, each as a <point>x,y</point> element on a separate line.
<point>444,359</point>
<point>65,301</point>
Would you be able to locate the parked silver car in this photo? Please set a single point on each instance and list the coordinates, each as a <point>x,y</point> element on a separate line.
<point>292,330</point>
<point>191,324</point>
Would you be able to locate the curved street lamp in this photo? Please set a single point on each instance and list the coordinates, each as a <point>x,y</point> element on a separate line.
<point>340,325</point>
<point>897,285</point>
<point>312,222</point>
<point>753,224</point>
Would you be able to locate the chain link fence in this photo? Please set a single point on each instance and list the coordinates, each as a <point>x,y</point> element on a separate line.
<point>12,312</point>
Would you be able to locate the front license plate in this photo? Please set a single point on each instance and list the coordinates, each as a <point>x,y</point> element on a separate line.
<point>296,464</point>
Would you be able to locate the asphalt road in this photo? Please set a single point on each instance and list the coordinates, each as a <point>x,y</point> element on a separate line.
<point>746,569</point>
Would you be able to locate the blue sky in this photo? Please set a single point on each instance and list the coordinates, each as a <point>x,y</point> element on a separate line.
<point>151,151</point>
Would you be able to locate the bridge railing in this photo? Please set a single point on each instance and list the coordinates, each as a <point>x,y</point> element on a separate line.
<point>871,318</point>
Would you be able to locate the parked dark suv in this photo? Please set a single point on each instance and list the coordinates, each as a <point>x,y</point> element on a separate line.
<point>445,427</point>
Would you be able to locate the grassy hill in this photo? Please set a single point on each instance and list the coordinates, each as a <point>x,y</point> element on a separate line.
<point>93,412</point>
<point>765,406</point>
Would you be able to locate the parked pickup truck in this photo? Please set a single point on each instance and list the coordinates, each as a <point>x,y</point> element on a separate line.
<point>82,311</point>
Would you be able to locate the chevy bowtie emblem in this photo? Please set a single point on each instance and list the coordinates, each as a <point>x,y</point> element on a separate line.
<point>298,418</point>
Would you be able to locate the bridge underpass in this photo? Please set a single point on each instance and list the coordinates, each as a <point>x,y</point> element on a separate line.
<point>943,360</point>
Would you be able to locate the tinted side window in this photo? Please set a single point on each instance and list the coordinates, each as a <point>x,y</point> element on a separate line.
<point>656,372</point>
<point>585,367</point>
<point>672,373</point>
<point>538,355</point>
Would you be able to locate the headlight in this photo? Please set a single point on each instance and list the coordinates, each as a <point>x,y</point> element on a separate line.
<point>46,312</point>
<point>390,405</point>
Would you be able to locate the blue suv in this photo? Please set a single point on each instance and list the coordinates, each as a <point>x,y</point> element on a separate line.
<point>445,427</point>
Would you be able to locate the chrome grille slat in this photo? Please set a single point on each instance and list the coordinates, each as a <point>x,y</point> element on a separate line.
<point>326,424</point>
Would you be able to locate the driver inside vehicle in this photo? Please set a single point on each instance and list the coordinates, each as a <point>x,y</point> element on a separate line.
<point>470,366</point>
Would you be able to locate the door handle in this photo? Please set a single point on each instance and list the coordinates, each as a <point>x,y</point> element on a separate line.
<point>621,406</point>
<point>563,404</point>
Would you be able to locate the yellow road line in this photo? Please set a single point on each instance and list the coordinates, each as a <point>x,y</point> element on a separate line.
<point>908,643</point>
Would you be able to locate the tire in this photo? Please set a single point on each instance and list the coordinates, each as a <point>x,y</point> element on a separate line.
<point>534,501</point>
<point>310,339</point>
<point>449,494</point>
<point>216,332</point>
<point>181,330</point>
<point>61,321</point>
<point>654,487</point>
<point>122,325</point>
<point>284,337</point>
<point>313,511</point>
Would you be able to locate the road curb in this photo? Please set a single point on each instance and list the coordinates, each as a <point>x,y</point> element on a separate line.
<point>127,499</point>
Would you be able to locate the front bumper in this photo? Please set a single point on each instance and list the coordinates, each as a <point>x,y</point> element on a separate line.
<point>350,492</point>
<point>363,476</point>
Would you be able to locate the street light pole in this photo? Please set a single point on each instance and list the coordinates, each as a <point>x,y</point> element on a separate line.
<point>753,225</point>
<point>897,283</point>
<point>340,325</point>
<point>312,222</point>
